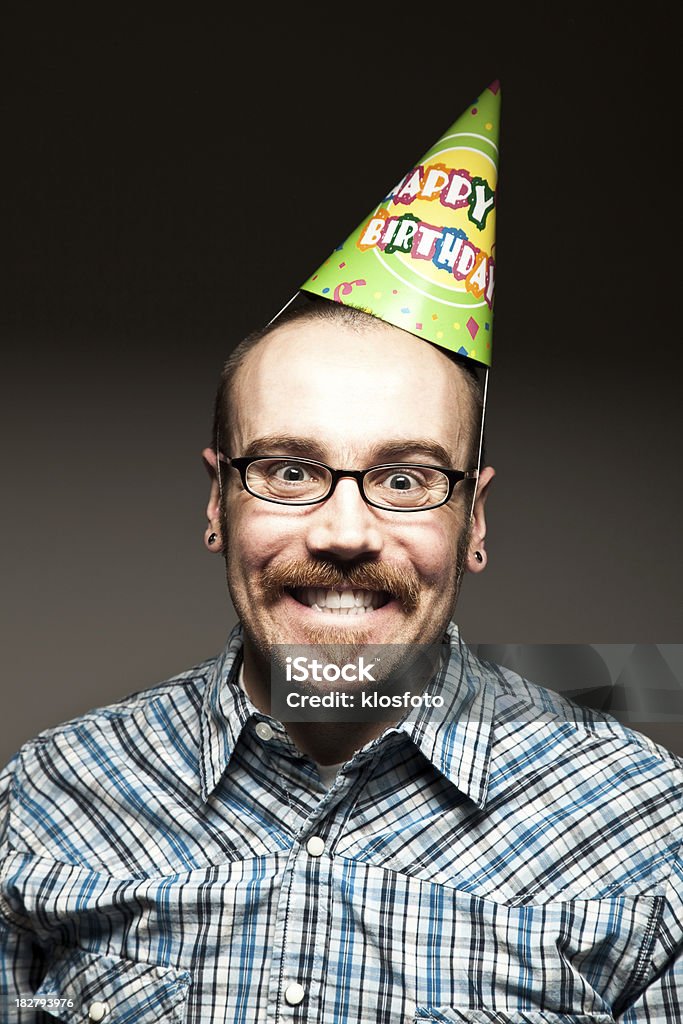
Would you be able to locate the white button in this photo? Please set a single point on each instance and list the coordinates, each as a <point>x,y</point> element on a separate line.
<point>264,731</point>
<point>315,846</point>
<point>98,1011</point>
<point>294,993</point>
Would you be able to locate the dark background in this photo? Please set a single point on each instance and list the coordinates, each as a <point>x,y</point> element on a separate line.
<point>168,184</point>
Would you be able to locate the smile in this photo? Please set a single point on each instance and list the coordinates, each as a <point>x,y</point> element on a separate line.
<point>340,602</point>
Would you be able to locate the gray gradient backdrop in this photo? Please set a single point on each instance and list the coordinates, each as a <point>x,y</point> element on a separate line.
<point>167,186</point>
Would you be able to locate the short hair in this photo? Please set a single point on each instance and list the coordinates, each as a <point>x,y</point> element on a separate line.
<point>324,309</point>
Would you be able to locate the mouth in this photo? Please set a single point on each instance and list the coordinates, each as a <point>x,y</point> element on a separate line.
<point>345,601</point>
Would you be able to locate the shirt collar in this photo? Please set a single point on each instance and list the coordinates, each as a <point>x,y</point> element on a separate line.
<point>455,738</point>
<point>226,709</point>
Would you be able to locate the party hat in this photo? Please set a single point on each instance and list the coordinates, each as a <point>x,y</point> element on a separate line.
<point>424,258</point>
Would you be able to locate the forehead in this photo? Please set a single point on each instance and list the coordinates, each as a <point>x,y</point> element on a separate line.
<point>348,390</point>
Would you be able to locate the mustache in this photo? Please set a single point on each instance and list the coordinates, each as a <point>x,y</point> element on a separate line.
<point>402,583</point>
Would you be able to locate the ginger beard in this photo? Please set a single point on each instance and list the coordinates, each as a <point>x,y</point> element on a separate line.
<point>335,642</point>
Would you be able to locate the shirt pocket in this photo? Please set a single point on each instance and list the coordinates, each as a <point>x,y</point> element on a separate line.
<point>82,986</point>
<point>450,1015</point>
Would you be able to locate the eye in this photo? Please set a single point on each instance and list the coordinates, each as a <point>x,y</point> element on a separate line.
<point>287,479</point>
<point>406,486</point>
<point>293,472</point>
<point>401,481</point>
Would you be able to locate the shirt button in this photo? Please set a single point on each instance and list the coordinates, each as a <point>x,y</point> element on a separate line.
<point>294,994</point>
<point>315,846</point>
<point>264,731</point>
<point>98,1011</point>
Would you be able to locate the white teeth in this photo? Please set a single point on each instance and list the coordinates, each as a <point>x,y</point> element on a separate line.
<point>340,602</point>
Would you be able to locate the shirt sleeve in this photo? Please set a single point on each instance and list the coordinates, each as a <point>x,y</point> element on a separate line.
<point>661,1000</point>
<point>21,959</point>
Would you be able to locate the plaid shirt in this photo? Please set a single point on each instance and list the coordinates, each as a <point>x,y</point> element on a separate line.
<point>173,857</point>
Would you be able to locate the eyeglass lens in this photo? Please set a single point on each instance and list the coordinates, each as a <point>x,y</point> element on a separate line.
<point>396,486</point>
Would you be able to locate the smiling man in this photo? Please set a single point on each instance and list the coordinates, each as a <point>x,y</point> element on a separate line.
<point>317,560</point>
<point>493,854</point>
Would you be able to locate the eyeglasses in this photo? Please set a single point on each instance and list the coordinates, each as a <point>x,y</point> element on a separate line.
<point>397,487</point>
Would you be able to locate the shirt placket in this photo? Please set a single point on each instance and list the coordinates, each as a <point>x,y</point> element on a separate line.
<point>302,934</point>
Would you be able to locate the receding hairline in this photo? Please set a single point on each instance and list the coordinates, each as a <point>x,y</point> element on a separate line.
<point>323,310</point>
<point>287,333</point>
<point>357,320</point>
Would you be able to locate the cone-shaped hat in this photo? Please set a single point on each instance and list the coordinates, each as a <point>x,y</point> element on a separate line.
<point>424,258</point>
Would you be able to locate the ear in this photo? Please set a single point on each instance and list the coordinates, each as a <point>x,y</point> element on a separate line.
<point>213,540</point>
<point>476,555</point>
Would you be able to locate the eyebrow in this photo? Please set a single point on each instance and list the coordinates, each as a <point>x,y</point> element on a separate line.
<point>396,449</point>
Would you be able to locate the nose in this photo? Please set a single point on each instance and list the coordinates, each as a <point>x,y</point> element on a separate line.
<point>343,526</point>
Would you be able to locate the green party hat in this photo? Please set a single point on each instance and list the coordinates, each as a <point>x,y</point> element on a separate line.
<point>424,258</point>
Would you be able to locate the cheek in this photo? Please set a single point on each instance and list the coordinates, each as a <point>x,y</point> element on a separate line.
<point>432,549</point>
<point>258,533</point>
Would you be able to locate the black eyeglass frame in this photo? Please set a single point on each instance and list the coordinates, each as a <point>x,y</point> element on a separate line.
<point>454,476</point>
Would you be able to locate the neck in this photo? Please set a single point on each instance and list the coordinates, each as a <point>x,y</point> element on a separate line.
<point>324,742</point>
<point>334,742</point>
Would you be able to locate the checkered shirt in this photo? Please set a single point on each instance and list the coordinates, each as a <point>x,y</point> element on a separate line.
<point>515,860</point>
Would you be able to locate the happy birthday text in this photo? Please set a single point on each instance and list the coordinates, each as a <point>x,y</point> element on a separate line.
<point>448,248</point>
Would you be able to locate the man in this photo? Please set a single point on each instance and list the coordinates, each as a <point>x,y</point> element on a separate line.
<point>186,855</point>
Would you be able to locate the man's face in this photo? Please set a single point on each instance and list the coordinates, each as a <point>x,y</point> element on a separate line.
<point>320,390</point>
